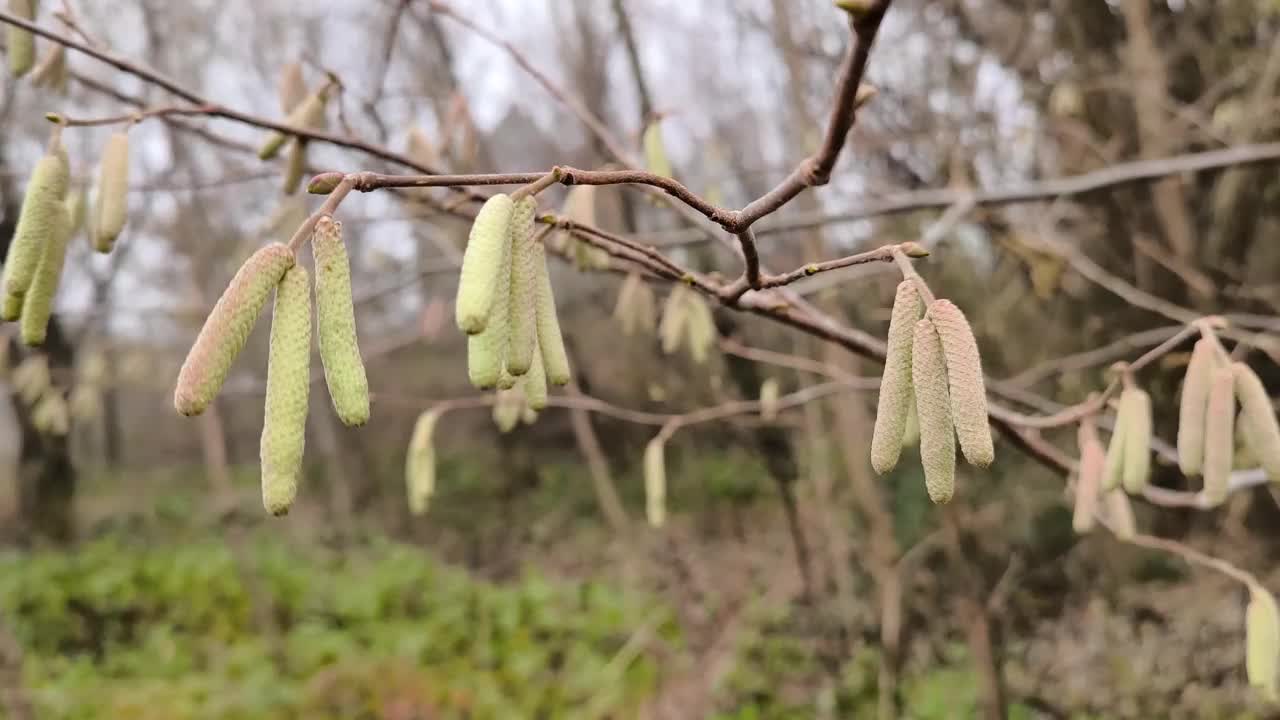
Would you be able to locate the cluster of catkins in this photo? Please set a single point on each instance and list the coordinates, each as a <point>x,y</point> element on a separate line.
<point>302,109</point>
<point>225,331</point>
<point>506,307</point>
<point>51,215</point>
<point>931,365</point>
<point>686,320</point>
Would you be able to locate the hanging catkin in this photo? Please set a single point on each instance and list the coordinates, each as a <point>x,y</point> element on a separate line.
<point>1137,439</point>
<point>308,114</point>
<point>933,406</point>
<point>487,350</point>
<point>1120,514</point>
<point>284,422</point>
<point>21,43</point>
<point>420,462</point>
<point>42,210</point>
<point>964,376</point>
<point>896,395</point>
<point>51,71</point>
<point>655,482</point>
<point>227,328</point>
<point>769,400</point>
<point>655,151</point>
<point>77,207</point>
<point>292,88</point>
<point>701,327</point>
<point>523,332</point>
<point>1219,435</point>
<point>295,166</point>
<point>534,384</point>
<point>113,193</point>
<point>1260,426</point>
<point>1191,409</point>
<point>1262,642</point>
<point>483,264</point>
<point>624,310</point>
<point>675,316</point>
<point>1089,479</point>
<point>38,302</point>
<point>1113,471</point>
<point>507,408</point>
<point>555,360</point>
<point>344,371</point>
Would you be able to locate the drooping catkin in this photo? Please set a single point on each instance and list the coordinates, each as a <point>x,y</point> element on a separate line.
<point>37,305</point>
<point>284,422</point>
<point>895,384</point>
<point>483,263</point>
<point>295,166</point>
<point>1192,407</point>
<point>420,462</point>
<point>21,43</point>
<point>292,88</point>
<point>1137,439</point>
<point>933,406</point>
<point>911,433</point>
<point>1113,469</point>
<point>625,309</point>
<point>534,384</point>
<point>675,315</point>
<point>344,371</point>
<point>51,71</point>
<point>487,351</point>
<point>42,210</point>
<point>555,360</point>
<point>113,193</point>
<point>701,327</point>
<point>655,151</point>
<point>1219,435</point>
<point>964,376</point>
<point>1120,514</point>
<point>1089,479</point>
<point>769,400</point>
<point>77,205</point>
<point>1262,642</point>
<point>227,328</point>
<point>655,482</point>
<point>507,408</point>
<point>523,332</point>
<point>308,114</point>
<point>1260,427</point>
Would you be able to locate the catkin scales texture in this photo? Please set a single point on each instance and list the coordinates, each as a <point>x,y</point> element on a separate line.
<point>227,328</point>
<point>112,209</point>
<point>1262,642</point>
<point>967,390</point>
<point>38,302</point>
<point>1219,435</point>
<point>21,43</point>
<point>534,383</point>
<point>1137,439</point>
<point>1089,481</point>
<point>420,463</point>
<point>933,407</point>
<point>37,221</point>
<point>655,482</point>
<point>487,350</point>
<point>1258,420</point>
<point>1192,407</point>
<point>555,360</point>
<point>284,420</point>
<point>344,371</point>
<point>896,395</point>
<point>482,265</point>
<point>523,332</point>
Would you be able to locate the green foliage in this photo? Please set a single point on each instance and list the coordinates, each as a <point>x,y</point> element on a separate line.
<point>125,628</point>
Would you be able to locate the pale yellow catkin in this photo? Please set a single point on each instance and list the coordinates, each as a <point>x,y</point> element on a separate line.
<point>21,43</point>
<point>308,114</point>
<point>1113,471</point>
<point>933,407</point>
<point>37,305</point>
<point>655,482</point>
<point>896,394</point>
<point>420,462</point>
<point>655,150</point>
<point>1262,642</point>
<point>967,390</point>
<point>487,350</point>
<point>112,210</point>
<point>284,421</point>
<point>1259,421</point>
<point>292,88</point>
<point>1089,478</point>
<point>701,327</point>
<point>1219,435</point>
<point>51,71</point>
<point>295,166</point>
<point>625,309</point>
<point>769,400</point>
<point>1192,407</point>
<point>1137,440</point>
<point>911,433</point>
<point>534,384</point>
<point>227,328</point>
<point>42,210</point>
<point>507,408</point>
<point>483,265</point>
<point>344,371</point>
<point>1120,514</point>
<point>523,333</point>
<point>675,315</point>
<point>555,359</point>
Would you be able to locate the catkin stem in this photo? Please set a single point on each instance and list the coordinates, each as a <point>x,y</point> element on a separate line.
<point>909,273</point>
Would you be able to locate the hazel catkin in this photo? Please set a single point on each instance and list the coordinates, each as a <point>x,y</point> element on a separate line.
<point>655,482</point>
<point>933,407</point>
<point>1089,478</point>
<point>1113,468</point>
<point>523,335</point>
<point>1219,435</point>
<point>1262,642</point>
<point>284,421</point>
<point>534,384</point>
<point>483,263</point>
<point>1120,514</point>
<point>112,210</point>
<point>420,462</point>
<point>1261,430</point>
<point>555,360</point>
<point>37,305</point>
<point>675,316</point>
<point>895,384</point>
<point>42,211</point>
<point>21,42</point>
<point>308,114</point>
<point>487,350</point>
<point>967,391</point>
<point>227,328</point>
<point>292,88</point>
<point>1137,439</point>
<point>769,400</point>
<point>344,371</point>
